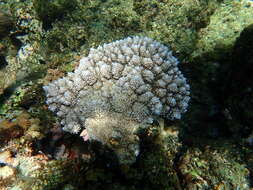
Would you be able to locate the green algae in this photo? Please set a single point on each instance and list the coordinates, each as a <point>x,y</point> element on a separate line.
<point>41,176</point>
<point>226,24</point>
<point>176,22</point>
<point>214,167</point>
<point>48,11</point>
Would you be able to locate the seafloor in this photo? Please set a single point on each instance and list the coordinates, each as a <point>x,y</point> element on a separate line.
<point>210,148</point>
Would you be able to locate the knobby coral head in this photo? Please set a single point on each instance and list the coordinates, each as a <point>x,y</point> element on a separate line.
<point>134,80</point>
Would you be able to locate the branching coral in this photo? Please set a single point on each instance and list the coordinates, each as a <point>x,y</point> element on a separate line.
<point>123,85</point>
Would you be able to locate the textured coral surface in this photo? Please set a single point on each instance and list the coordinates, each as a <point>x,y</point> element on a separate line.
<point>120,86</point>
<point>136,76</point>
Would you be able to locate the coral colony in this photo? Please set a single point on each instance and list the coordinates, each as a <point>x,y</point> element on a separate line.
<point>118,88</point>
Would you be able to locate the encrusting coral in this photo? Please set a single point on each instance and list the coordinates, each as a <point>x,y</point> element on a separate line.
<point>117,88</point>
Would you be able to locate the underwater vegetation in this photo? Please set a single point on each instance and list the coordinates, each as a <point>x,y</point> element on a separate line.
<point>48,11</point>
<point>210,147</point>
